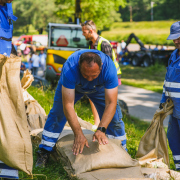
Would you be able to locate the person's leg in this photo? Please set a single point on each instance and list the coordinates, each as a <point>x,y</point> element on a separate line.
<point>7,172</point>
<point>173,135</point>
<point>116,128</point>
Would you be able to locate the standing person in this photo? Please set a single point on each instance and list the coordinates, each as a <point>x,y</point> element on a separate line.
<point>101,44</point>
<point>171,89</point>
<point>6,48</point>
<point>42,57</point>
<point>91,73</point>
<point>35,63</point>
<point>123,45</point>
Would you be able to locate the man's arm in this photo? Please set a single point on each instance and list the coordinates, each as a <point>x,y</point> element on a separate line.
<point>110,109</point>
<point>68,96</point>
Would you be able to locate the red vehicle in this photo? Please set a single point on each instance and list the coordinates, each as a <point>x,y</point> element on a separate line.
<point>40,41</point>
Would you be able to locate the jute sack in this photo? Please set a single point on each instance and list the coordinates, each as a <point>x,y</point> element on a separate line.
<point>83,124</point>
<point>36,115</point>
<point>111,155</point>
<point>15,142</point>
<point>153,144</point>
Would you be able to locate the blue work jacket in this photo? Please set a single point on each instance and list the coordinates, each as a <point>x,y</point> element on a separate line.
<point>171,88</point>
<point>6,28</point>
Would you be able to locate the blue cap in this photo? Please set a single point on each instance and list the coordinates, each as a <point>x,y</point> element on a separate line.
<point>174,31</point>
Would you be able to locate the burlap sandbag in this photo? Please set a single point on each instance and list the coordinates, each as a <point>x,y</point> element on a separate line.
<point>15,142</point>
<point>111,155</point>
<point>83,124</point>
<point>36,115</point>
<point>153,144</point>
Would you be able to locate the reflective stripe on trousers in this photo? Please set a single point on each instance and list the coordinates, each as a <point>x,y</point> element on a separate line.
<point>56,118</point>
<point>8,172</point>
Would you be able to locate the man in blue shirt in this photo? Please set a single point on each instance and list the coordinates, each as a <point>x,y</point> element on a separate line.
<point>93,73</point>
<point>171,89</point>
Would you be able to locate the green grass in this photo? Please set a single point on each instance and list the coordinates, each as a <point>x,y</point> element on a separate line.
<point>155,32</point>
<point>150,78</point>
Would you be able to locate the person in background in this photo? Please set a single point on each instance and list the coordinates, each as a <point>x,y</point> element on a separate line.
<point>42,57</point>
<point>35,63</point>
<point>123,45</point>
<point>101,44</point>
<point>7,48</point>
<point>171,89</point>
<point>156,48</point>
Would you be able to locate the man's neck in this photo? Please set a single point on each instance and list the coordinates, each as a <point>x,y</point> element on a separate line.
<point>94,38</point>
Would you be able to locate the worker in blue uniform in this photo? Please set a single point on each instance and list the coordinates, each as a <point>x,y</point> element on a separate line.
<point>6,29</point>
<point>91,73</point>
<point>171,89</point>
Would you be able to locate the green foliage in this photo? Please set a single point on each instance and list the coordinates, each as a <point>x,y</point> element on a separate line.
<point>38,13</point>
<point>155,32</point>
<point>150,78</point>
<point>141,10</point>
<point>103,13</point>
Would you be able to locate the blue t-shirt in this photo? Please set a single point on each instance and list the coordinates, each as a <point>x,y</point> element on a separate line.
<point>71,76</point>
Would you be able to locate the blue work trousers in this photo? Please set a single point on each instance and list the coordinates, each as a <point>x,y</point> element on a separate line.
<point>56,118</point>
<point>173,135</point>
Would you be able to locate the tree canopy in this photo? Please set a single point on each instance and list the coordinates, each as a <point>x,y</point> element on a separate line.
<point>141,10</point>
<point>38,13</point>
<point>103,13</point>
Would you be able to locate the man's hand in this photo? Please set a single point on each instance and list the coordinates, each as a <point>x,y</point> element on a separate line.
<point>79,142</point>
<point>101,137</point>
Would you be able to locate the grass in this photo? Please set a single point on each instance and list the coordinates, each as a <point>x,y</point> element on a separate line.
<point>150,78</point>
<point>148,32</point>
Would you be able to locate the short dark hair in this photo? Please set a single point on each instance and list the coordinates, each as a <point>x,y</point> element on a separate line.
<point>90,57</point>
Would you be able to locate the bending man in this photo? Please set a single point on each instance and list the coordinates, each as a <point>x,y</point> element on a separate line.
<point>91,73</point>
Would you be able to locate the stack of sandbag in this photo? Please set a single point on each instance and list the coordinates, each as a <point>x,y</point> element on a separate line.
<point>36,115</point>
<point>15,142</point>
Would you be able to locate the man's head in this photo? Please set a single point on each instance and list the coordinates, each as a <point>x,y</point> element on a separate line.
<point>90,65</point>
<point>175,34</point>
<point>88,29</point>
<point>42,52</point>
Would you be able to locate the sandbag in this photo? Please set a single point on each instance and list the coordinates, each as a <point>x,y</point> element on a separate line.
<point>111,155</point>
<point>15,142</point>
<point>82,123</point>
<point>36,115</point>
<point>153,144</point>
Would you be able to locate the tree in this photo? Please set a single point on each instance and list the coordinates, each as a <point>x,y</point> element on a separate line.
<point>103,13</point>
<point>38,13</point>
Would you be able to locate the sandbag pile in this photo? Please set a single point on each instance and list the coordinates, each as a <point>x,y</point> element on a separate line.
<point>36,115</point>
<point>15,142</point>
